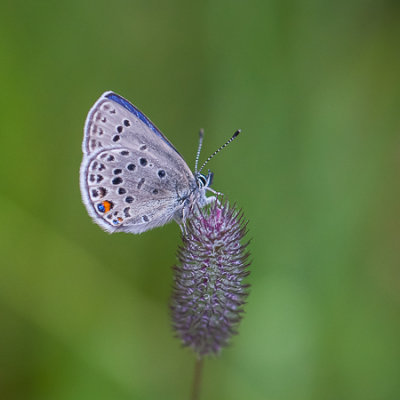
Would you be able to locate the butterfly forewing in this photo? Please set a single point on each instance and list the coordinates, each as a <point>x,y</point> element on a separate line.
<point>114,122</point>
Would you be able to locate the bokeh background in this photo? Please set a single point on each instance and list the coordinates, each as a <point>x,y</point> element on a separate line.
<point>315,87</point>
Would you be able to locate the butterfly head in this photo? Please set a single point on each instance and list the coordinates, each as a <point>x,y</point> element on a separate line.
<point>204,181</point>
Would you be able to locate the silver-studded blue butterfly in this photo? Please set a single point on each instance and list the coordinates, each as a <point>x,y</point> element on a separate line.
<point>132,178</point>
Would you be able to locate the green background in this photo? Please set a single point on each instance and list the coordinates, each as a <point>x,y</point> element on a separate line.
<point>315,88</point>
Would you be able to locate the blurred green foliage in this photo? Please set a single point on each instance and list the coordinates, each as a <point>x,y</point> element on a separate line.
<point>315,87</point>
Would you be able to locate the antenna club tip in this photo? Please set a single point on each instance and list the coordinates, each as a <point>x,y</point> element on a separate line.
<point>236,133</point>
<point>201,132</point>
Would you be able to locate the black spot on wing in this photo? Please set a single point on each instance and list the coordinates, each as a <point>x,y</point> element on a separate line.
<point>131,108</point>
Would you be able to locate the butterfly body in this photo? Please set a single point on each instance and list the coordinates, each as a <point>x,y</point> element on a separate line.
<point>132,178</point>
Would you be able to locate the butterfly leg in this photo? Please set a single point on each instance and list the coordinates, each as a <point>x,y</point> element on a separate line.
<point>181,215</point>
<point>211,199</point>
<point>182,222</point>
<point>182,226</point>
<point>213,191</point>
<point>216,198</point>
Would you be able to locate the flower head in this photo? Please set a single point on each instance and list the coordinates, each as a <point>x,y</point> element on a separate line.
<point>209,293</point>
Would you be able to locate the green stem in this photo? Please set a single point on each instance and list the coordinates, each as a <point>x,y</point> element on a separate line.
<point>198,369</point>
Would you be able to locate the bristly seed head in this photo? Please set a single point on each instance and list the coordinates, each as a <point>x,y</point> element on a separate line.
<point>209,293</point>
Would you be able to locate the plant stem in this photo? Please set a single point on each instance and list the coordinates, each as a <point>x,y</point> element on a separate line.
<point>198,369</point>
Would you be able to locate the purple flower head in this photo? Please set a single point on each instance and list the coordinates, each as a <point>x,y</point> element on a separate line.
<point>209,293</point>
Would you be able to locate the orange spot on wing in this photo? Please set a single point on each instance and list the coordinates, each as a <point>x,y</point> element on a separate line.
<point>107,205</point>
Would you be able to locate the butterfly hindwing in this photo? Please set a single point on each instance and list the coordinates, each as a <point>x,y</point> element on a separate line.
<point>125,189</point>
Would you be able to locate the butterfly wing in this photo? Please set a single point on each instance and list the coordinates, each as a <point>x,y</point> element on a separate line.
<point>114,122</point>
<point>132,178</point>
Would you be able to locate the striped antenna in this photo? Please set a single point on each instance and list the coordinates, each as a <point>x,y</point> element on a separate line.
<point>234,136</point>
<point>201,135</point>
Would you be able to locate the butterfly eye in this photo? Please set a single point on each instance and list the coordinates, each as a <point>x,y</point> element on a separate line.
<point>201,181</point>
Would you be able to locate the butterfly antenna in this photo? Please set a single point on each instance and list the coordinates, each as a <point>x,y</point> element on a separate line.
<point>201,135</point>
<point>234,136</point>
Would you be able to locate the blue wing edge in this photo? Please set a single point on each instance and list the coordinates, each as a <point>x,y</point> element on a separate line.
<point>131,108</point>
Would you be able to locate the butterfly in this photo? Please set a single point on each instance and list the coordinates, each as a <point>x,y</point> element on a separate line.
<point>132,178</point>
